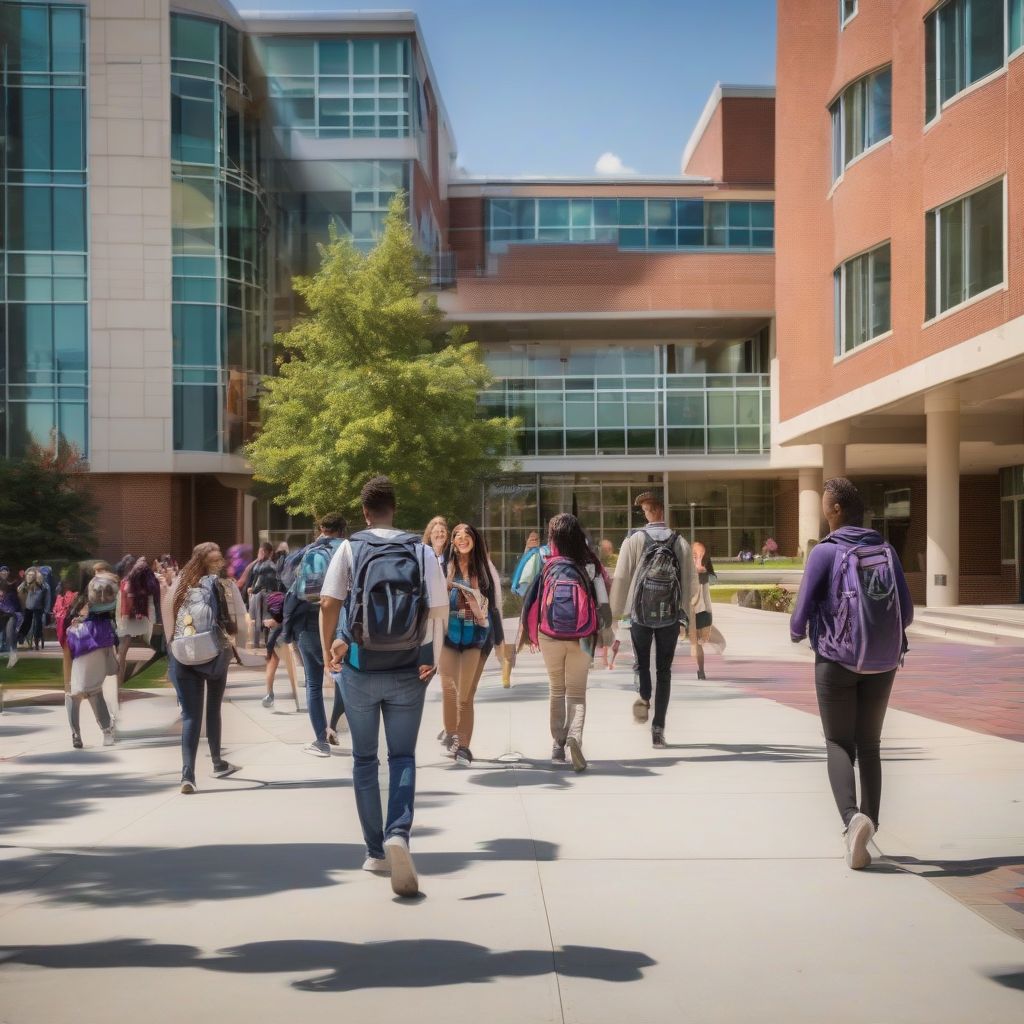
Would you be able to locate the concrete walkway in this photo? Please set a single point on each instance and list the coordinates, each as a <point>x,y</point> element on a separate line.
<point>699,883</point>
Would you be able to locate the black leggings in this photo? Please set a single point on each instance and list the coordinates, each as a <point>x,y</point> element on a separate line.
<point>192,681</point>
<point>852,708</point>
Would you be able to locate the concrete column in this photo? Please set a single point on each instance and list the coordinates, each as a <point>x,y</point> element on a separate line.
<point>810,509</point>
<point>833,460</point>
<point>942,558</point>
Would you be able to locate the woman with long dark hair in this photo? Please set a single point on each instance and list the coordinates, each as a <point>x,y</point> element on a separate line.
<point>565,614</point>
<point>857,628</point>
<point>474,628</point>
<point>210,678</point>
<point>137,611</point>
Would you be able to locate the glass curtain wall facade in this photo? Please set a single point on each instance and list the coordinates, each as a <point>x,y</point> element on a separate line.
<point>220,226</point>
<point>631,401</point>
<point>632,223</point>
<point>43,231</point>
<point>727,515</point>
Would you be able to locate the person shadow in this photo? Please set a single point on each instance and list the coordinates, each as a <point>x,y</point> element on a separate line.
<point>333,966</point>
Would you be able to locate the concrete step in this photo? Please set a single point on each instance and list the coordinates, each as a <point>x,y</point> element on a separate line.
<point>981,627</point>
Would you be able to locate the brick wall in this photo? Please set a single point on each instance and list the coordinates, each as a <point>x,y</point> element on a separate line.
<point>748,140</point>
<point>787,517</point>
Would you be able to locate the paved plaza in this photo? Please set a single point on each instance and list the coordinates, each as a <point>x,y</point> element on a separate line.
<point>703,882</point>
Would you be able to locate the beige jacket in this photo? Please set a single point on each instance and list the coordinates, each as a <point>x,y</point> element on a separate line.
<point>624,581</point>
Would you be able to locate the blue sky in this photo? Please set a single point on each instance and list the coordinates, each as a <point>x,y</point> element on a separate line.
<point>548,86</point>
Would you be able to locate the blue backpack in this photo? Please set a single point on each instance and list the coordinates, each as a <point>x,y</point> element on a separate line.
<point>386,610</point>
<point>311,569</point>
<point>866,629</point>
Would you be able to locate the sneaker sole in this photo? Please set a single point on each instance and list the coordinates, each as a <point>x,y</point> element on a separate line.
<point>227,771</point>
<point>403,874</point>
<point>316,753</point>
<point>857,856</point>
<point>188,788</point>
<point>579,762</point>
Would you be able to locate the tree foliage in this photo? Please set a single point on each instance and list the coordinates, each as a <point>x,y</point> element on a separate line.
<point>370,382</point>
<point>46,515</point>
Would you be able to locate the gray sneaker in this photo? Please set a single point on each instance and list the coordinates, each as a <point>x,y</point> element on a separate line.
<point>558,753</point>
<point>857,836</point>
<point>318,748</point>
<point>268,701</point>
<point>109,737</point>
<point>658,738</point>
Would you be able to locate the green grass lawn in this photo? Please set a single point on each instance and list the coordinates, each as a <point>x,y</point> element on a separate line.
<point>771,566</point>
<point>40,673</point>
<point>724,595</point>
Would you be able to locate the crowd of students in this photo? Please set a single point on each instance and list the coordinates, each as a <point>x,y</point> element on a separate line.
<point>384,611</point>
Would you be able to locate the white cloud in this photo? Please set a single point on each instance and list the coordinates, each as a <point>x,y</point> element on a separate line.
<point>611,163</point>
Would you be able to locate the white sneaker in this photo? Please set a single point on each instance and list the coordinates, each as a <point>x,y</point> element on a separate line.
<point>268,701</point>
<point>858,834</point>
<point>376,866</point>
<point>12,658</point>
<point>109,737</point>
<point>404,880</point>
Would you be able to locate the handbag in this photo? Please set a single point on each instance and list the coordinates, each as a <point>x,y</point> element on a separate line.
<point>90,635</point>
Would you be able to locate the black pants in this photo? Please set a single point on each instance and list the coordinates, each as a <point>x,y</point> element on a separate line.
<point>192,681</point>
<point>852,708</point>
<point>665,640</point>
<point>32,624</point>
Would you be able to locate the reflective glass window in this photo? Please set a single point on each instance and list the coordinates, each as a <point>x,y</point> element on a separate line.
<point>863,298</point>
<point>195,39</point>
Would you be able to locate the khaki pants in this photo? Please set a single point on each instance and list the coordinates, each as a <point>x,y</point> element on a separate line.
<point>567,664</point>
<point>460,675</point>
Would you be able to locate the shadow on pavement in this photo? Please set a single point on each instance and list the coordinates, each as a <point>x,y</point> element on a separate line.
<point>349,966</point>
<point>144,876</point>
<point>1009,979</point>
<point>33,798</point>
<point>956,868</point>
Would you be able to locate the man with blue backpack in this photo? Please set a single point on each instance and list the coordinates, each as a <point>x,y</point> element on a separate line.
<point>383,613</point>
<point>855,604</point>
<point>303,578</point>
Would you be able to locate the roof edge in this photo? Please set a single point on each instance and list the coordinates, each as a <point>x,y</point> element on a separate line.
<point>721,91</point>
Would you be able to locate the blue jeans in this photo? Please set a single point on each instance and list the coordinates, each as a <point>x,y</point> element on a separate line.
<point>399,697</point>
<point>307,639</point>
<point>193,682</point>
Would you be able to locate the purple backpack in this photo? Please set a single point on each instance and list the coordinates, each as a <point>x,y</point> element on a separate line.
<point>91,635</point>
<point>568,609</point>
<point>865,633</point>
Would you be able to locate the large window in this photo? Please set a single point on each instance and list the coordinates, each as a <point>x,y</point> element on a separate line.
<point>340,88</point>
<point>43,228</point>
<point>964,249</point>
<point>863,298</point>
<point>633,223</point>
<point>847,9</point>
<point>861,118</point>
<point>965,41</point>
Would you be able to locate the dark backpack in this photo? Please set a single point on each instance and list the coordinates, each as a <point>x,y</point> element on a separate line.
<point>866,632</point>
<point>308,576</point>
<point>657,595</point>
<point>387,607</point>
<point>568,607</point>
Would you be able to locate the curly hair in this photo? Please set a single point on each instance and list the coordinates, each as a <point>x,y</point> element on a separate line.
<point>378,495</point>
<point>479,562</point>
<point>334,522</point>
<point>192,572</point>
<point>843,493</point>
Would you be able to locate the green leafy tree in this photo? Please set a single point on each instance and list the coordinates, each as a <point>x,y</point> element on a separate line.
<point>46,514</point>
<point>370,382</point>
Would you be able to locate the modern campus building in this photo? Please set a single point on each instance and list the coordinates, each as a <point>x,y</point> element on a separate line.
<point>168,166</point>
<point>900,273</point>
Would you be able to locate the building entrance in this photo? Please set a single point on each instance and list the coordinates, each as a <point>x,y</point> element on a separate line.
<point>1011,523</point>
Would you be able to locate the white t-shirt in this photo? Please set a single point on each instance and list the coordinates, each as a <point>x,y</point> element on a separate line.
<point>338,581</point>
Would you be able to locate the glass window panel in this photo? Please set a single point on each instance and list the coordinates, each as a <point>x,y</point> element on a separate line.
<point>880,103</point>
<point>553,213</point>
<point>632,238</point>
<point>930,68</point>
<point>333,57</point>
<point>690,213</point>
<point>196,417</point>
<point>71,418</point>
<point>194,133</point>
<point>606,212</point>
<point>661,238</point>
<point>714,230</point>
<point>31,423</point>
<point>836,114</point>
<point>721,408</point>
<point>582,213</point>
<point>660,212</point>
<point>1016,19</point>
<point>853,121</point>
<point>690,237</point>
<point>389,54</point>
<point>951,257</point>
<point>31,146</point>
<point>739,238</point>
<point>762,239</point>
<point>68,134</point>
<point>986,50</point>
<point>288,56</point>
<point>69,336</point>
<point>684,409</point>
<point>880,290</point>
<point>631,212</point>
<point>195,38</point>
<point>985,239</point>
<point>364,60</point>
<point>951,49</point>
<point>641,410</point>
<point>739,215</point>
<point>31,51</point>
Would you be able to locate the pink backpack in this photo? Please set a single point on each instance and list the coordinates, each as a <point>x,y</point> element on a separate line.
<point>568,608</point>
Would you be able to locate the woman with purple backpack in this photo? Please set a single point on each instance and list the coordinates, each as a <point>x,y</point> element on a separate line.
<point>565,615</point>
<point>855,606</point>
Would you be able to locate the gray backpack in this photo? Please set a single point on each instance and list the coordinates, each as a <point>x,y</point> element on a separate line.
<point>657,595</point>
<point>198,634</point>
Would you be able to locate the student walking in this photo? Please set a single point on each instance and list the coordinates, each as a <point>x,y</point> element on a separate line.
<point>34,593</point>
<point>701,620</point>
<point>305,573</point>
<point>137,611</point>
<point>273,624</point>
<point>259,580</point>
<point>435,536</point>
<point>205,611</point>
<point>655,584</point>
<point>565,614</point>
<point>91,642</point>
<point>474,629</point>
<point>529,564</point>
<point>855,605</point>
<point>10,611</point>
<point>395,607</point>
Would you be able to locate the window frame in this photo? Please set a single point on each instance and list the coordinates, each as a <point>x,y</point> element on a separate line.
<point>841,162</point>
<point>840,349</point>
<point>932,25</point>
<point>844,18</point>
<point>933,261</point>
